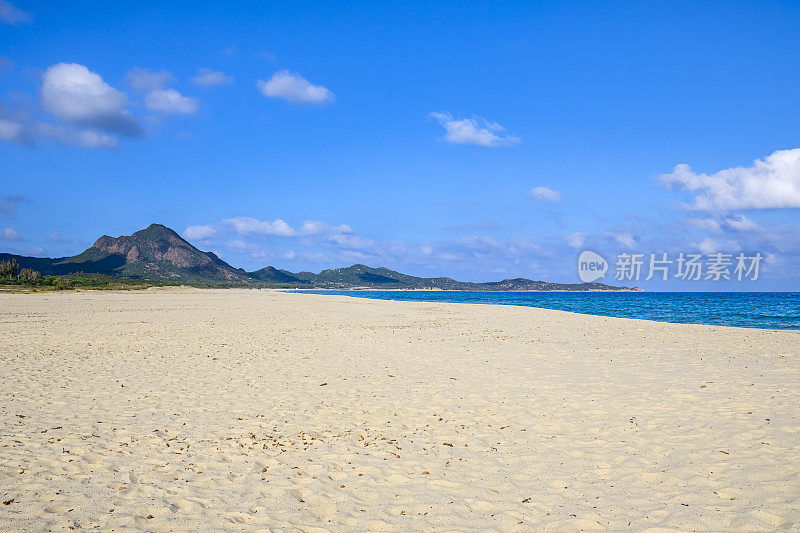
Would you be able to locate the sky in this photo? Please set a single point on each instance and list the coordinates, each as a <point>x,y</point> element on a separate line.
<point>479,141</point>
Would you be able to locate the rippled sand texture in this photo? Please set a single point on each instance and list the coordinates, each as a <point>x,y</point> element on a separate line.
<point>236,409</point>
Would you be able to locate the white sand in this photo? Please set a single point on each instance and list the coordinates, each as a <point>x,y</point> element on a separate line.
<point>251,409</point>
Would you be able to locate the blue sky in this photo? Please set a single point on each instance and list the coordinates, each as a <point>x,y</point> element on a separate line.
<point>476,140</point>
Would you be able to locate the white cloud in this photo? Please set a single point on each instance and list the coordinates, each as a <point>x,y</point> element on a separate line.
<point>474,131</point>
<point>709,224</point>
<point>11,14</point>
<point>294,88</point>
<point>170,101</point>
<point>143,79</point>
<point>75,94</point>
<point>316,227</point>
<point>351,241</point>
<point>625,239</point>
<point>289,254</point>
<point>543,193</point>
<point>477,242</point>
<point>209,78</point>
<point>237,245</point>
<point>20,128</point>
<point>199,232</point>
<point>771,183</point>
<point>85,138</point>
<point>11,131</point>
<point>735,222</point>
<point>708,245</point>
<point>247,225</point>
<point>576,240</point>
<point>10,234</point>
<point>740,223</point>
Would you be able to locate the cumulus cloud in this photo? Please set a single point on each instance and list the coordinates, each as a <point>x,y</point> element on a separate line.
<point>209,78</point>
<point>199,232</point>
<point>143,79</point>
<point>576,240</point>
<point>474,131</point>
<point>771,183</point>
<point>247,225</point>
<point>170,101</point>
<point>10,235</point>
<point>11,14</point>
<point>75,94</point>
<point>545,194</point>
<point>294,88</point>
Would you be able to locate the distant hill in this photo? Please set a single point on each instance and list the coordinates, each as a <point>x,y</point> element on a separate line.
<point>158,253</point>
<point>367,277</point>
<point>273,275</point>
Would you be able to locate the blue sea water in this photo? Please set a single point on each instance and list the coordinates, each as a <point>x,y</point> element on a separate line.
<point>769,310</point>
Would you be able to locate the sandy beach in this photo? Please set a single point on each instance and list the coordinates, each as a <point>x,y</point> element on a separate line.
<point>178,409</point>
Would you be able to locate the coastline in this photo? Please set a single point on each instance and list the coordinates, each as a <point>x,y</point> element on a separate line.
<point>244,409</point>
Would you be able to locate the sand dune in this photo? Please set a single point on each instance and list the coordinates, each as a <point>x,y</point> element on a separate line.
<point>241,410</point>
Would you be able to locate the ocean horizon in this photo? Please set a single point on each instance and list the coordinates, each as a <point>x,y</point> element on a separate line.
<point>764,310</point>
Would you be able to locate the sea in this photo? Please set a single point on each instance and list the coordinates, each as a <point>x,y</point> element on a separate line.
<point>768,310</point>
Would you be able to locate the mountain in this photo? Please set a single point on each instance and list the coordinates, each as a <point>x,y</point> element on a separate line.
<point>374,278</point>
<point>158,253</point>
<point>273,275</point>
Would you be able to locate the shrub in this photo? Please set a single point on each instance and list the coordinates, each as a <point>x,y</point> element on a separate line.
<point>9,268</point>
<point>29,274</point>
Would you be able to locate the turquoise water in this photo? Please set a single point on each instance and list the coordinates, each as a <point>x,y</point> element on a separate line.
<point>771,310</point>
